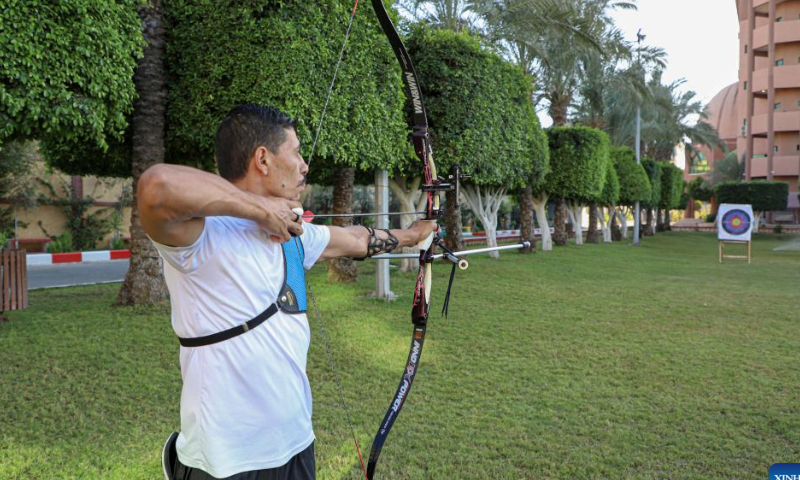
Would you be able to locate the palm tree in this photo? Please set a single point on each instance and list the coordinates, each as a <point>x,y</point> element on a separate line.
<point>144,283</point>
<point>453,15</point>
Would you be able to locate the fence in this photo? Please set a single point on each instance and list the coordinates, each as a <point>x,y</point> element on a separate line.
<point>13,281</point>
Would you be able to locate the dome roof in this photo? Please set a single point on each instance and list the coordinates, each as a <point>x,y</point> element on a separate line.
<point>723,112</point>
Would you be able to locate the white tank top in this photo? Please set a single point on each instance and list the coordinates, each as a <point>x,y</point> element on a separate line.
<point>246,401</point>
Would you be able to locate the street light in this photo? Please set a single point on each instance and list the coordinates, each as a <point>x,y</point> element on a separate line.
<point>637,215</point>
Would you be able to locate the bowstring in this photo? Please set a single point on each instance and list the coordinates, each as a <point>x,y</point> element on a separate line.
<point>328,350</point>
<point>333,82</point>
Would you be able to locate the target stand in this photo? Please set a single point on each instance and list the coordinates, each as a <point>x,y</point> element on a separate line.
<point>723,255</point>
<point>735,226</point>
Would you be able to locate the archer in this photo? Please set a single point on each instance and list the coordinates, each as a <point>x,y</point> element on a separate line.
<point>235,255</point>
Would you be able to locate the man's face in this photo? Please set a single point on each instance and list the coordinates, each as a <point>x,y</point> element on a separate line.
<point>287,169</point>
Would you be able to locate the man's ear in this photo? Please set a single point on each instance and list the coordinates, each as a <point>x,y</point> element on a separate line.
<point>261,157</point>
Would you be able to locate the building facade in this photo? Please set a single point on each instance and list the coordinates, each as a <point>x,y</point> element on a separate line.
<point>759,116</point>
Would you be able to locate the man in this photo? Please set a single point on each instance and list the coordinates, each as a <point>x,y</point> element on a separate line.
<point>235,252</point>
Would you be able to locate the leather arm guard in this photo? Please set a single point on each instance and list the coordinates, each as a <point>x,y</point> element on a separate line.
<point>377,245</point>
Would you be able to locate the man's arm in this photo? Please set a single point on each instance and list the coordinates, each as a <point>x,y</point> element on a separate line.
<point>356,241</point>
<point>173,201</point>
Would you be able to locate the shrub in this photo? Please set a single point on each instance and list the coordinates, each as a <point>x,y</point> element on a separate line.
<point>61,244</point>
<point>777,229</point>
<point>634,184</point>
<point>762,195</point>
<point>117,244</point>
<point>711,217</point>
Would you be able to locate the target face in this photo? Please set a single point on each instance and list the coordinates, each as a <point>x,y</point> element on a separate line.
<point>736,222</point>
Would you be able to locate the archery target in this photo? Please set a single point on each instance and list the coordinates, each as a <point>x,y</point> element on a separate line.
<point>734,222</point>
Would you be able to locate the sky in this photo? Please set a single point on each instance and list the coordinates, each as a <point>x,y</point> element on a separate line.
<point>701,38</point>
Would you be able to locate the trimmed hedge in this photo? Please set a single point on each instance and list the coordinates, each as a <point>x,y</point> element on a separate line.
<point>634,185</point>
<point>67,69</point>
<point>653,169</point>
<point>671,186</point>
<point>762,195</point>
<point>479,110</point>
<point>578,158</point>
<point>610,194</point>
<point>698,191</point>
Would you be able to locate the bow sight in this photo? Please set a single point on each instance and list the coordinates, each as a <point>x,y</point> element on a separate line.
<point>449,184</point>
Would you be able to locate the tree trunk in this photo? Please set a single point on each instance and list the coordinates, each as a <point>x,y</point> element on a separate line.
<point>648,230</point>
<point>605,227</point>
<point>485,203</point>
<point>526,219</point>
<point>659,220</point>
<point>559,107</point>
<point>144,283</point>
<point>667,221</point>
<point>592,235</point>
<point>560,222</point>
<point>616,235</point>
<point>452,223</point>
<point>575,212</point>
<point>623,220</point>
<point>756,221</point>
<point>343,270</point>
<point>540,207</point>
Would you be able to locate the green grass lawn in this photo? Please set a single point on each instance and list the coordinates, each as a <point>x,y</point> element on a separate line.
<point>600,361</point>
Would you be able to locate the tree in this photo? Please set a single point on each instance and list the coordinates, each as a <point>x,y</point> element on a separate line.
<point>479,111</point>
<point>699,191</point>
<point>67,68</point>
<point>364,126</point>
<point>729,169</point>
<point>578,157</point>
<point>653,169</point>
<point>762,195</point>
<point>17,184</point>
<point>634,185</point>
<point>608,199</point>
<point>671,190</point>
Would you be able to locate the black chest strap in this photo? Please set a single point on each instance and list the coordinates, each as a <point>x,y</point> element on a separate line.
<point>231,332</point>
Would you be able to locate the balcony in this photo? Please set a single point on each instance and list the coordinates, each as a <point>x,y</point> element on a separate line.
<point>783,165</point>
<point>784,122</point>
<point>787,76</point>
<point>785,32</point>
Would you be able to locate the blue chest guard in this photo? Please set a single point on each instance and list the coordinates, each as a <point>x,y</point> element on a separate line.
<point>292,298</point>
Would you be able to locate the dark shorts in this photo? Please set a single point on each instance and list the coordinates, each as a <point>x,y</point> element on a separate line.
<point>300,467</point>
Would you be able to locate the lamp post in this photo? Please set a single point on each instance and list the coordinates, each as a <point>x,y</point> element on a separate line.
<point>637,215</point>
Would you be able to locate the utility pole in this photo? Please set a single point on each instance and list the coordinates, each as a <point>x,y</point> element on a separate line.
<point>637,214</point>
<point>382,284</point>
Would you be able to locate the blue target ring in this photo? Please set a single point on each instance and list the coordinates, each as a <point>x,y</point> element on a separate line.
<point>736,222</point>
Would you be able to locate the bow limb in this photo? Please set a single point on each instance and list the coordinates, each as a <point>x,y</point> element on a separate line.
<point>422,291</point>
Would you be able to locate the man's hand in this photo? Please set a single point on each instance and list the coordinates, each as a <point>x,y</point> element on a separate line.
<point>279,221</point>
<point>423,229</point>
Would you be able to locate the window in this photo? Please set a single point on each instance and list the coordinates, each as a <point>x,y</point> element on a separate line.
<point>779,19</point>
<point>745,49</point>
<point>699,164</point>
<point>798,147</point>
<point>745,84</point>
<point>779,63</point>
<point>777,106</point>
<point>775,149</point>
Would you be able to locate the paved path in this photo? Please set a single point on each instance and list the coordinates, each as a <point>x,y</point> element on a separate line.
<point>69,274</point>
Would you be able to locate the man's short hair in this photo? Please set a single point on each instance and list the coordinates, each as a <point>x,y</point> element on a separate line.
<point>246,128</point>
